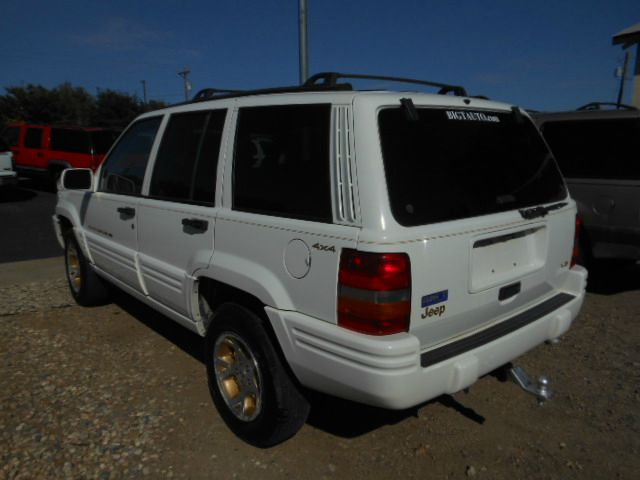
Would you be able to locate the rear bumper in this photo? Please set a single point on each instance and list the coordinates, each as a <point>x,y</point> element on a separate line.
<point>392,372</point>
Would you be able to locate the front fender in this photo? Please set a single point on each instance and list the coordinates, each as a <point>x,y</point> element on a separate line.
<point>72,205</point>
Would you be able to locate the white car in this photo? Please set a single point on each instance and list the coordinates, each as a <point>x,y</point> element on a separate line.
<point>383,247</point>
<point>8,175</point>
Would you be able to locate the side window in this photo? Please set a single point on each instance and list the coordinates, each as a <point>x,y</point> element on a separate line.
<point>33,138</point>
<point>11,135</point>
<point>123,171</point>
<point>281,162</point>
<point>185,168</point>
<point>596,148</point>
<point>69,140</point>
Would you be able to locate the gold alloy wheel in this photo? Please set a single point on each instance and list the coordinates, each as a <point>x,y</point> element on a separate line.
<point>237,376</point>
<point>74,274</point>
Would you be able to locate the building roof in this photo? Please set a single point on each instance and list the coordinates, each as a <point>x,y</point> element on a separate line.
<point>628,36</point>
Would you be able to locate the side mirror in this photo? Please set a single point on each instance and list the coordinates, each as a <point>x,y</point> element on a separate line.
<point>76,179</point>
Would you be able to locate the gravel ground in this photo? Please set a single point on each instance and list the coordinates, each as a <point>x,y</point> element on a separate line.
<point>120,392</point>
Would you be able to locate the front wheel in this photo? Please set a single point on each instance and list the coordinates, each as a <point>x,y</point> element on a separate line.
<point>250,386</point>
<point>86,287</point>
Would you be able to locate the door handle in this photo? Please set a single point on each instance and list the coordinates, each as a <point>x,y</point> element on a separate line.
<point>195,225</point>
<point>126,212</point>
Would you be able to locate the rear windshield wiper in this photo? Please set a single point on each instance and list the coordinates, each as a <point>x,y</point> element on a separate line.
<point>540,211</point>
<point>543,165</point>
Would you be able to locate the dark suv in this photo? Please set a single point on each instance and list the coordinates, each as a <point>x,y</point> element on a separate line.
<point>598,151</point>
<point>44,150</point>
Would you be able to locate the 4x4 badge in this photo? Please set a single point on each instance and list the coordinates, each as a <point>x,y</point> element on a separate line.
<point>324,248</point>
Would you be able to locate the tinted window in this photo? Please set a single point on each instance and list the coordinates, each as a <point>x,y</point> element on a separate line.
<point>185,167</point>
<point>605,149</point>
<point>11,135</point>
<point>102,140</point>
<point>33,138</point>
<point>281,162</point>
<point>124,169</point>
<point>449,164</point>
<point>68,140</point>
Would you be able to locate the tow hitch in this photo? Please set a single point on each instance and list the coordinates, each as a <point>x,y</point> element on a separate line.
<point>540,389</point>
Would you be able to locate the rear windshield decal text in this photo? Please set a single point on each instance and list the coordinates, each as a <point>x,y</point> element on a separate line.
<point>471,116</point>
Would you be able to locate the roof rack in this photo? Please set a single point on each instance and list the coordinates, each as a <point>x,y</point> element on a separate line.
<point>322,82</point>
<point>214,93</point>
<point>599,105</point>
<point>209,93</point>
<point>330,79</point>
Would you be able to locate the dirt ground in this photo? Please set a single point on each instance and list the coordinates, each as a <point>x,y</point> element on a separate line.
<point>120,392</point>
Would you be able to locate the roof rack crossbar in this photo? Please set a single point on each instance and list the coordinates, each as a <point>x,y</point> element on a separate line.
<point>330,79</point>
<point>213,93</point>
<point>599,105</point>
<point>207,93</point>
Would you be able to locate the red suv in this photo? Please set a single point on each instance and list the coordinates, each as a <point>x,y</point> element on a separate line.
<point>44,150</point>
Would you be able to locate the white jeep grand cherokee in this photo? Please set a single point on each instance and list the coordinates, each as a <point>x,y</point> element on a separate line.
<point>384,247</point>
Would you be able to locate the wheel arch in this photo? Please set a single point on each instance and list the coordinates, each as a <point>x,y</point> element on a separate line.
<point>67,218</point>
<point>217,293</point>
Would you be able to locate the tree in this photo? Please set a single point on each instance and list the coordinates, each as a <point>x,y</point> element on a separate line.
<point>115,109</point>
<point>71,105</point>
<point>32,103</point>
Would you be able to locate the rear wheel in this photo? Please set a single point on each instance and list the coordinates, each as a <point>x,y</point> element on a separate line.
<point>251,388</point>
<point>86,287</point>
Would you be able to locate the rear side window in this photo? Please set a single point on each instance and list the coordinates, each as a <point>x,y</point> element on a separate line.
<point>68,140</point>
<point>33,138</point>
<point>186,164</point>
<point>606,149</point>
<point>281,162</point>
<point>452,164</point>
<point>11,135</point>
<point>123,171</point>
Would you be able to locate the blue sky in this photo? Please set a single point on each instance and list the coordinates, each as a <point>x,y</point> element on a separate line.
<point>538,54</point>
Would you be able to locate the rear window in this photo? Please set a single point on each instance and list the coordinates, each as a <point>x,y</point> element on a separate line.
<point>451,164</point>
<point>606,149</point>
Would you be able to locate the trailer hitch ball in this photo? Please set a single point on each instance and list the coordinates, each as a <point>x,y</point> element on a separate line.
<point>541,389</point>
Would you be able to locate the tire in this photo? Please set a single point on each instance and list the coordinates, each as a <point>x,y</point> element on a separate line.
<point>252,390</point>
<point>86,287</point>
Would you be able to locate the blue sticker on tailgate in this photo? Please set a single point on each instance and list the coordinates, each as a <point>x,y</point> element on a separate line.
<point>434,298</point>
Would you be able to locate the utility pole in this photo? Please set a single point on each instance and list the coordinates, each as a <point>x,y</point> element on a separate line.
<point>187,86</point>
<point>304,54</point>
<point>623,78</point>
<point>144,91</point>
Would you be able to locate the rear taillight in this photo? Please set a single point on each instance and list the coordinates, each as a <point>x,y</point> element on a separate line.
<point>576,243</point>
<point>374,292</point>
